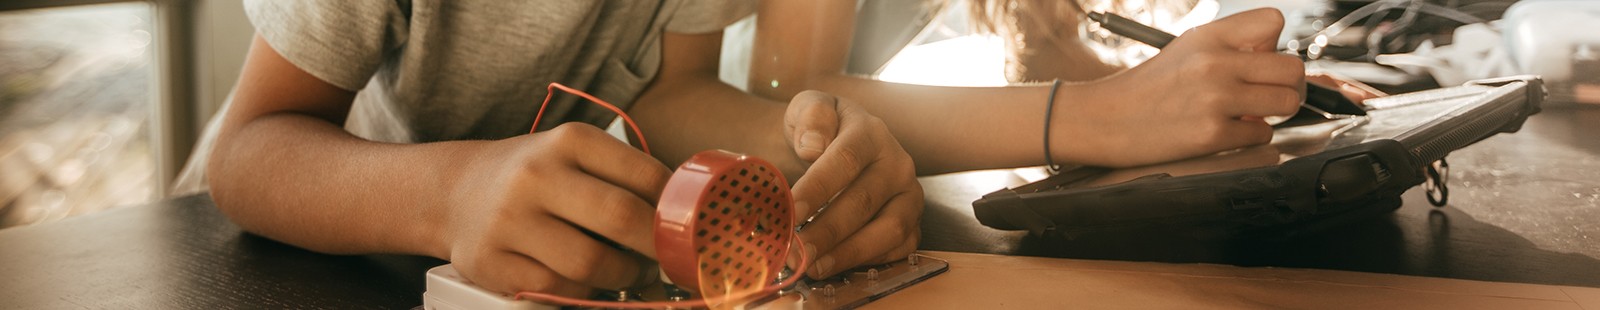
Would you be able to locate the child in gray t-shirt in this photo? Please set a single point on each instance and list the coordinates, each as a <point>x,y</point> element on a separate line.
<point>379,126</point>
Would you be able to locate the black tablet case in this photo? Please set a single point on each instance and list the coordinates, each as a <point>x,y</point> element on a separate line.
<point>1360,179</point>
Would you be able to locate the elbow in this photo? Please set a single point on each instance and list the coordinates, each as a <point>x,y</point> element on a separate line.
<point>222,177</point>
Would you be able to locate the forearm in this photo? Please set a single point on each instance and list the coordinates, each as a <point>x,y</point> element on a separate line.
<point>1204,94</point>
<point>307,182</point>
<point>802,45</point>
<point>686,109</point>
<point>947,129</point>
<point>684,115</point>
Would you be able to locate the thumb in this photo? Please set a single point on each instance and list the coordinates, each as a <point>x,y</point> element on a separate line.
<point>1251,31</point>
<point>810,123</point>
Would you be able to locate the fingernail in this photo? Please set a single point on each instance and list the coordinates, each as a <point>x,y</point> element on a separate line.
<point>794,255</point>
<point>812,141</point>
<point>793,260</point>
<point>823,267</point>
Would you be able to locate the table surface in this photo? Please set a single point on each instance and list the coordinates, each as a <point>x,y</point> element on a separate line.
<point>1524,207</point>
<point>1523,210</point>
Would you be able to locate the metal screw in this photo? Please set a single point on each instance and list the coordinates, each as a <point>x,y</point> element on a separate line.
<point>872,274</point>
<point>783,275</point>
<point>828,290</point>
<point>912,260</point>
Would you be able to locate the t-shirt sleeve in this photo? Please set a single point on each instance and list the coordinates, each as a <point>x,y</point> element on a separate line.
<point>341,42</point>
<point>707,16</point>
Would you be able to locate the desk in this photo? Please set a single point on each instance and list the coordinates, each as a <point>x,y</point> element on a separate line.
<point>1524,207</point>
<point>1524,210</point>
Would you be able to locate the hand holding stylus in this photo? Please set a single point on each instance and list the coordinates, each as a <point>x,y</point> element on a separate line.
<point>1205,93</point>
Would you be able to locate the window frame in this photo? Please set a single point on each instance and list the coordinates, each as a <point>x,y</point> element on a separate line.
<point>173,129</point>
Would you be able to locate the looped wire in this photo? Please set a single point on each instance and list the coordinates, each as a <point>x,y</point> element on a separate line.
<point>1437,183</point>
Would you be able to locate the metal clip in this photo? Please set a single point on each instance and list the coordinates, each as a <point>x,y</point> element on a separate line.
<point>1437,183</point>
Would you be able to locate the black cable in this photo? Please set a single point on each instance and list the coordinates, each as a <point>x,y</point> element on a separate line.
<point>1376,41</point>
<point>1375,12</point>
<point>1050,106</point>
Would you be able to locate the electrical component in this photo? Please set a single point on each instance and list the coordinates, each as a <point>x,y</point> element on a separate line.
<point>724,224</point>
<point>723,231</point>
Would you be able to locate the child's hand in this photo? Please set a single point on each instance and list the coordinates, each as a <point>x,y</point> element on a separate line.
<point>1357,91</point>
<point>1206,92</point>
<point>536,208</point>
<point>857,163</point>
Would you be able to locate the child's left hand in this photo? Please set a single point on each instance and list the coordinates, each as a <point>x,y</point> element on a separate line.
<point>864,178</point>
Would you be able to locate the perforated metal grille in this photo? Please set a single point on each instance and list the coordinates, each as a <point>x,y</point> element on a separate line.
<point>742,231</point>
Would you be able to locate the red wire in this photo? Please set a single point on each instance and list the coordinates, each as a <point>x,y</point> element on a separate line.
<point>800,272</point>
<point>805,260</point>
<point>551,91</point>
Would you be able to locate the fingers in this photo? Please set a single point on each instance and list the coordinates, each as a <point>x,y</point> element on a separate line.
<point>856,176</point>
<point>1270,69</point>
<point>607,210</point>
<point>1251,31</point>
<point>891,236</point>
<point>598,154</point>
<point>1272,85</point>
<point>1260,100</point>
<point>511,272</point>
<point>837,168</point>
<point>907,247</point>
<point>1357,94</point>
<point>1322,79</point>
<point>1354,90</point>
<point>848,213</point>
<point>810,123</point>
<point>577,256</point>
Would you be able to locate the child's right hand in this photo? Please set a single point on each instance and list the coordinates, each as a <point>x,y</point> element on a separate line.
<point>533,212</point>
<point>1207,92</point>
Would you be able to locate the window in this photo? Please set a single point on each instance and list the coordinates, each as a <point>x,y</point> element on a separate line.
<point>77,95</point>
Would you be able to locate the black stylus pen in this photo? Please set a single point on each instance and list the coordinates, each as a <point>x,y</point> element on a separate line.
<point>1131,29</point>
<point>1317,96</point>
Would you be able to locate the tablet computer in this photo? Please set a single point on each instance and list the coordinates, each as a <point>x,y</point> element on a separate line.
<point>1344,166</point>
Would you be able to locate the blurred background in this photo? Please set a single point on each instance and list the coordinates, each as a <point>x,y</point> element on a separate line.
<point>101,101</point>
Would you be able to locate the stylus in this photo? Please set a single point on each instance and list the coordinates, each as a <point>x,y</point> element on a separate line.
<point>1321,97</point>
<point>1133,30</point>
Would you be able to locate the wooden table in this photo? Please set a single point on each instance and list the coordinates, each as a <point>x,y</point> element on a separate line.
<point>1524,209</point>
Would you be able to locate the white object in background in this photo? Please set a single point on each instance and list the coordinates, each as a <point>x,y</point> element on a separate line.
<point>1473,55</point>
<point>971,60</point>
<point>1296,13</point>
<point>447,290</point>
<point>1544,36</point>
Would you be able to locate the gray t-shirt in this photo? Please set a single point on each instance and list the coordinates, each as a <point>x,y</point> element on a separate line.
<point>474,69</point>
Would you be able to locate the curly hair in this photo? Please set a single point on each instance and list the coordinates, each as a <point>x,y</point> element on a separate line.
<point>1046,31</point>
